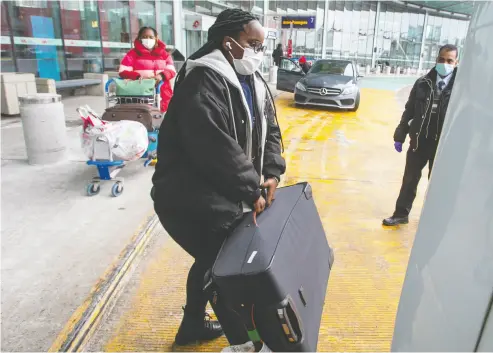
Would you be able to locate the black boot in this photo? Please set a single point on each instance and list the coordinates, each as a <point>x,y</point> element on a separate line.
<point>195,328</point>
<point>395,220</point>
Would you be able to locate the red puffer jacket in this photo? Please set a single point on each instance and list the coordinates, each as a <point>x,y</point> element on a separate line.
<point>141,62</point>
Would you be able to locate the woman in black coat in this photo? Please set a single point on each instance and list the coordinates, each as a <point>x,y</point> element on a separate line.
<point>219,139</point>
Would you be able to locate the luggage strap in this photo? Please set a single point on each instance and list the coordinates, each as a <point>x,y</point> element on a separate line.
<point>254,336</point>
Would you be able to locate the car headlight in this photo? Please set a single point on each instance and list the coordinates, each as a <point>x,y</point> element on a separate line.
<point>349,90</point>
<point>301,87</point>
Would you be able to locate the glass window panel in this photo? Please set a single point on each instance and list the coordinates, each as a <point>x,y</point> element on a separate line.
<point>142,13</point>
<point>80,25</point>
<point>348,13</point>
<point>364,52</point>
<point>166,18</point>
<point>463,27</point>
<point>356,17</point>
<point>339,16</point>
<point>7,63</point>
<point>337,47</point>
<point>37,34</point>
<point>115,32</point>
<point>299,42</point>
<point>445,31</point>
<point>421,23</point>
<point>405,22</point>
<point>348,71</point>
<point>318,38</point>
<point>371,30</point>
<point>381,30</point>
<point>190,4</point>
<point>288,65</point>
<point>453,34</point>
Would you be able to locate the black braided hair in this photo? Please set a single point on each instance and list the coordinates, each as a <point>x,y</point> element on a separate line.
<point>230,23</point>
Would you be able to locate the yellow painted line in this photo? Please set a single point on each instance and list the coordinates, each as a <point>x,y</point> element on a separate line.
<point>84,320</point>
<point>349,160</point>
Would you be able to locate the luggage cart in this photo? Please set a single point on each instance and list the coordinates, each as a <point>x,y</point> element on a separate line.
<point>112,99</point>
<point>107,167</point>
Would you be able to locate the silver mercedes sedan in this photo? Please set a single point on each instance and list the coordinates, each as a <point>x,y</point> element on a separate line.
<point>328,83</point>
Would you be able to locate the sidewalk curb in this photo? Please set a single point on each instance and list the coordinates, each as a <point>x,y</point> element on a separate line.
<point>83,322</point>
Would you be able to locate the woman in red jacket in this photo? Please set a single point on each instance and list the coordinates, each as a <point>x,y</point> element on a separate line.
<point>149,59</point>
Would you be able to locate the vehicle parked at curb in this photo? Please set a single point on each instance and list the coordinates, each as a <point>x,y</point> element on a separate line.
<point>329,83</point>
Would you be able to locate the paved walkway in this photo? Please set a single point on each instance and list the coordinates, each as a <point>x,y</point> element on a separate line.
<point>56,241</point>
<point>355,173</point>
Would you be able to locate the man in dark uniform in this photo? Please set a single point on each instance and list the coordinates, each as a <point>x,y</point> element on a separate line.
<point>423,119</point>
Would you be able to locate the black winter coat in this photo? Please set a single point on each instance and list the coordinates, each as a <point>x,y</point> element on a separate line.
<point>417,113</point>
<point>202,171</point>
<point>277,55</point>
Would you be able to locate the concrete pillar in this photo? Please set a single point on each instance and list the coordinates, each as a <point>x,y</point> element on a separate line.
<point>368,70</point>
<point>387,70</point>
<point>178,25</point>
<point>375,34</point>
<point>43,123</point>
<point>273,74</point>
<point>325,29</point>
<point>423,39</point>
<point>398,70</point>
<point>266,10</point>
<point>14,85</point>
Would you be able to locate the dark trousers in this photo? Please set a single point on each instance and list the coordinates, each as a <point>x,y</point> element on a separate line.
<point>415,162</point>
<point>203,245</point>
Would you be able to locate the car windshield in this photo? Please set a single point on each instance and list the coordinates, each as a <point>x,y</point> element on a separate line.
<point>344,68</point>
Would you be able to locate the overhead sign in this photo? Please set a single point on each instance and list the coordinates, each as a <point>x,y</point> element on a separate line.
<point>270,33</point>
<point>299,22</point>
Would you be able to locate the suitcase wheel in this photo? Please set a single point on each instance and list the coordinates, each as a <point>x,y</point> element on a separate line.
<point>113,115</point>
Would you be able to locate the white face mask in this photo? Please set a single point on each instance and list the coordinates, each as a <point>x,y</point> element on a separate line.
<point>250,62</point>
<point>148,43</point>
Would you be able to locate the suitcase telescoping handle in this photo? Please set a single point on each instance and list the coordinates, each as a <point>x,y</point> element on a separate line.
<point>290,321</point>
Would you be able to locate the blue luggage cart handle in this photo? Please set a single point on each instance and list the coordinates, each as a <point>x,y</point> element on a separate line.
<point>111,80</point>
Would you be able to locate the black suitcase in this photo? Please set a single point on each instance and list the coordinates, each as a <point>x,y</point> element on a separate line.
<point>277,273</point>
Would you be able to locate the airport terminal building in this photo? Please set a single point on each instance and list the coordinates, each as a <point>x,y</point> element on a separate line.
<point>64,39</point>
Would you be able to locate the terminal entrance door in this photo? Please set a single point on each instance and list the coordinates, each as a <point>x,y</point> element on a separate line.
<point>195,39</point>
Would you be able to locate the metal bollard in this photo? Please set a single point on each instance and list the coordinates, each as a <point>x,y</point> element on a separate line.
<point>43,123</point>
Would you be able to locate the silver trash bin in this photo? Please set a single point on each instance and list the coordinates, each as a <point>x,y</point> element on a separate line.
<point>43,123</point>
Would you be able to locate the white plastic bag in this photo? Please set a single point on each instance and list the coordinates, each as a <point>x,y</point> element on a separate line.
<point>121,140</point>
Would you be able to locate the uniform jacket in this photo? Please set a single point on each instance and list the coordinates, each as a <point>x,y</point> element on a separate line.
<point>416,118</point>
<point>207,165</point>
<point>141,62</point>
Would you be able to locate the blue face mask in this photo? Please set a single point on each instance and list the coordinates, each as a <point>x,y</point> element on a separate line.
<point>444,69</point>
